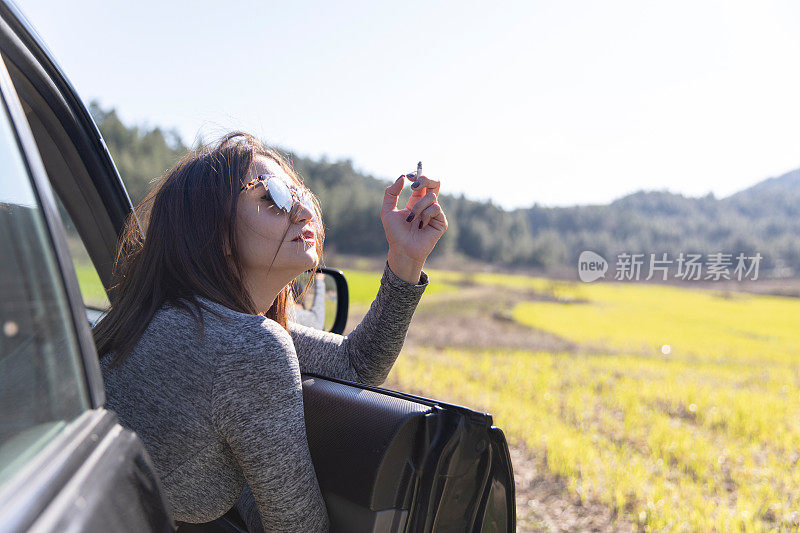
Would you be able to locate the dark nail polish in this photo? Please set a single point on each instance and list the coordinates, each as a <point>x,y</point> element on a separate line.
<point>420,224</point>
<point>415,185</point>
<point>410,217</point>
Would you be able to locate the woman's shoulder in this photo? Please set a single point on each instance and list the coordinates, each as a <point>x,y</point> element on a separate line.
<point>233,329</point>
<point>185,310</point>
<point>248,344</point>
<point>211,331</point>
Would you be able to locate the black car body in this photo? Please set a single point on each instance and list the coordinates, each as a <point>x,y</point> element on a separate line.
<point>386,461</point>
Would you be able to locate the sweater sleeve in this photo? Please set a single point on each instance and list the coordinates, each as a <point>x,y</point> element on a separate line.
<point>257,407</point>
<point>368,353</point>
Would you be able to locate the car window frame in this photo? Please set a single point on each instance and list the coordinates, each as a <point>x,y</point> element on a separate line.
<point>55,233</point>
<point>32,488</point>
<point>24,51</point>
<point>98,177</point>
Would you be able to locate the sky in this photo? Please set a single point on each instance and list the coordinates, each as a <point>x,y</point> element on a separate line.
<point>555,103</point>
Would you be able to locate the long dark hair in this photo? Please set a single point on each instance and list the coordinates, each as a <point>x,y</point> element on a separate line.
<point>187,221</point>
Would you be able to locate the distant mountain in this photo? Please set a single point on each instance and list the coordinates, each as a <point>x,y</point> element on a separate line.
<point>764,218</point>
<point>789,182</point>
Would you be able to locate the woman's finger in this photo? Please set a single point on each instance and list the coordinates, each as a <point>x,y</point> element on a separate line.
<point>420,205</point>
<point>390,196</point>
<point>423,182</point>
<point>439,222</point>
<point>430,212</point>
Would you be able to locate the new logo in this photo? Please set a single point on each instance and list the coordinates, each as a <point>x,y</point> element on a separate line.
<point>591,266</point>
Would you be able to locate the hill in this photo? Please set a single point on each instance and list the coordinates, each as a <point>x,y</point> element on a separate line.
<point>764,218</point>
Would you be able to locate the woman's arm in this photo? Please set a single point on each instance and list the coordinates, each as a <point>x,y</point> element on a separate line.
<point>368,353</point>
<point>257,407</point>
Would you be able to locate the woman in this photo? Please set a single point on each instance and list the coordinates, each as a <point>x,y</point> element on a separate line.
<point>198,355</point>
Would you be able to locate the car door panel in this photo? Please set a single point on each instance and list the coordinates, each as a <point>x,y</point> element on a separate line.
<point>96,478</point>
<point>390,461</point>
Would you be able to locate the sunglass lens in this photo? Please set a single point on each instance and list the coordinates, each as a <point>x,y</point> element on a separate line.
<point>305,199</point>
<point>280,194</point>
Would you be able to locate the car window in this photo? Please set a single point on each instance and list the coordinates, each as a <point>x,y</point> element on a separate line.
<point>42,385</point>
<point>92,291</point>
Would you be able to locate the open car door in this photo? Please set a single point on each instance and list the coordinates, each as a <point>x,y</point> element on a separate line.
<point>389,461</point>
<point>385,460</point>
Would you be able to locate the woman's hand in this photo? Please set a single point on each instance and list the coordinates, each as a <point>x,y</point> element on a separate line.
<point>413,231</point>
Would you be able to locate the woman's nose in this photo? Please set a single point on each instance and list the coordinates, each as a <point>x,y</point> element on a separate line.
<point>301,213</point>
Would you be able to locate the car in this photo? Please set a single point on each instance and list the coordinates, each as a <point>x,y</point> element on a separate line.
<point>385,460</point>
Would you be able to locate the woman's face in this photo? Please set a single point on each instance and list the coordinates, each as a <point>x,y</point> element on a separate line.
<point>269,240</point>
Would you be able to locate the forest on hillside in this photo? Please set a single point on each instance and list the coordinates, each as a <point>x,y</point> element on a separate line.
<point>764,219</point>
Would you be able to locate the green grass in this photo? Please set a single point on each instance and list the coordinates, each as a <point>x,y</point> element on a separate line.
<point>363,286</point>
<point>94,295</point>
<point>706,437</point>
<point>699,324</point>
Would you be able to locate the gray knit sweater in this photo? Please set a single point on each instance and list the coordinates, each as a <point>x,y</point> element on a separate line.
<point>224,408</point>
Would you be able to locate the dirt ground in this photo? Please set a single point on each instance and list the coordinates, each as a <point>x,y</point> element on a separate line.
<point>544,504</point>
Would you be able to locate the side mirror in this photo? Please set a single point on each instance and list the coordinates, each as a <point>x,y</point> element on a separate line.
<point>325,303</point>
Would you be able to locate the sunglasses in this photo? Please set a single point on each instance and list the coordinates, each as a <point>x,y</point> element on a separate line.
<point>283,196</point>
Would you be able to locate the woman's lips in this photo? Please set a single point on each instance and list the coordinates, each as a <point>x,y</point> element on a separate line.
<point>306,235</point>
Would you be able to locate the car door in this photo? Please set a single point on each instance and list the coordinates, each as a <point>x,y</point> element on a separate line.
<point>385,460</point>
<point>65,462</point>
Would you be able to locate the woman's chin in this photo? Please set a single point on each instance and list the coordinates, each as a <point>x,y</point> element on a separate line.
<point>299,260</point>
<point>313,262</point>
<point>310,258</point>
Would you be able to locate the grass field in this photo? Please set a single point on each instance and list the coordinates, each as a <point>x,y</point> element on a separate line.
<point>363,286</point>
<point>678,409</point>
